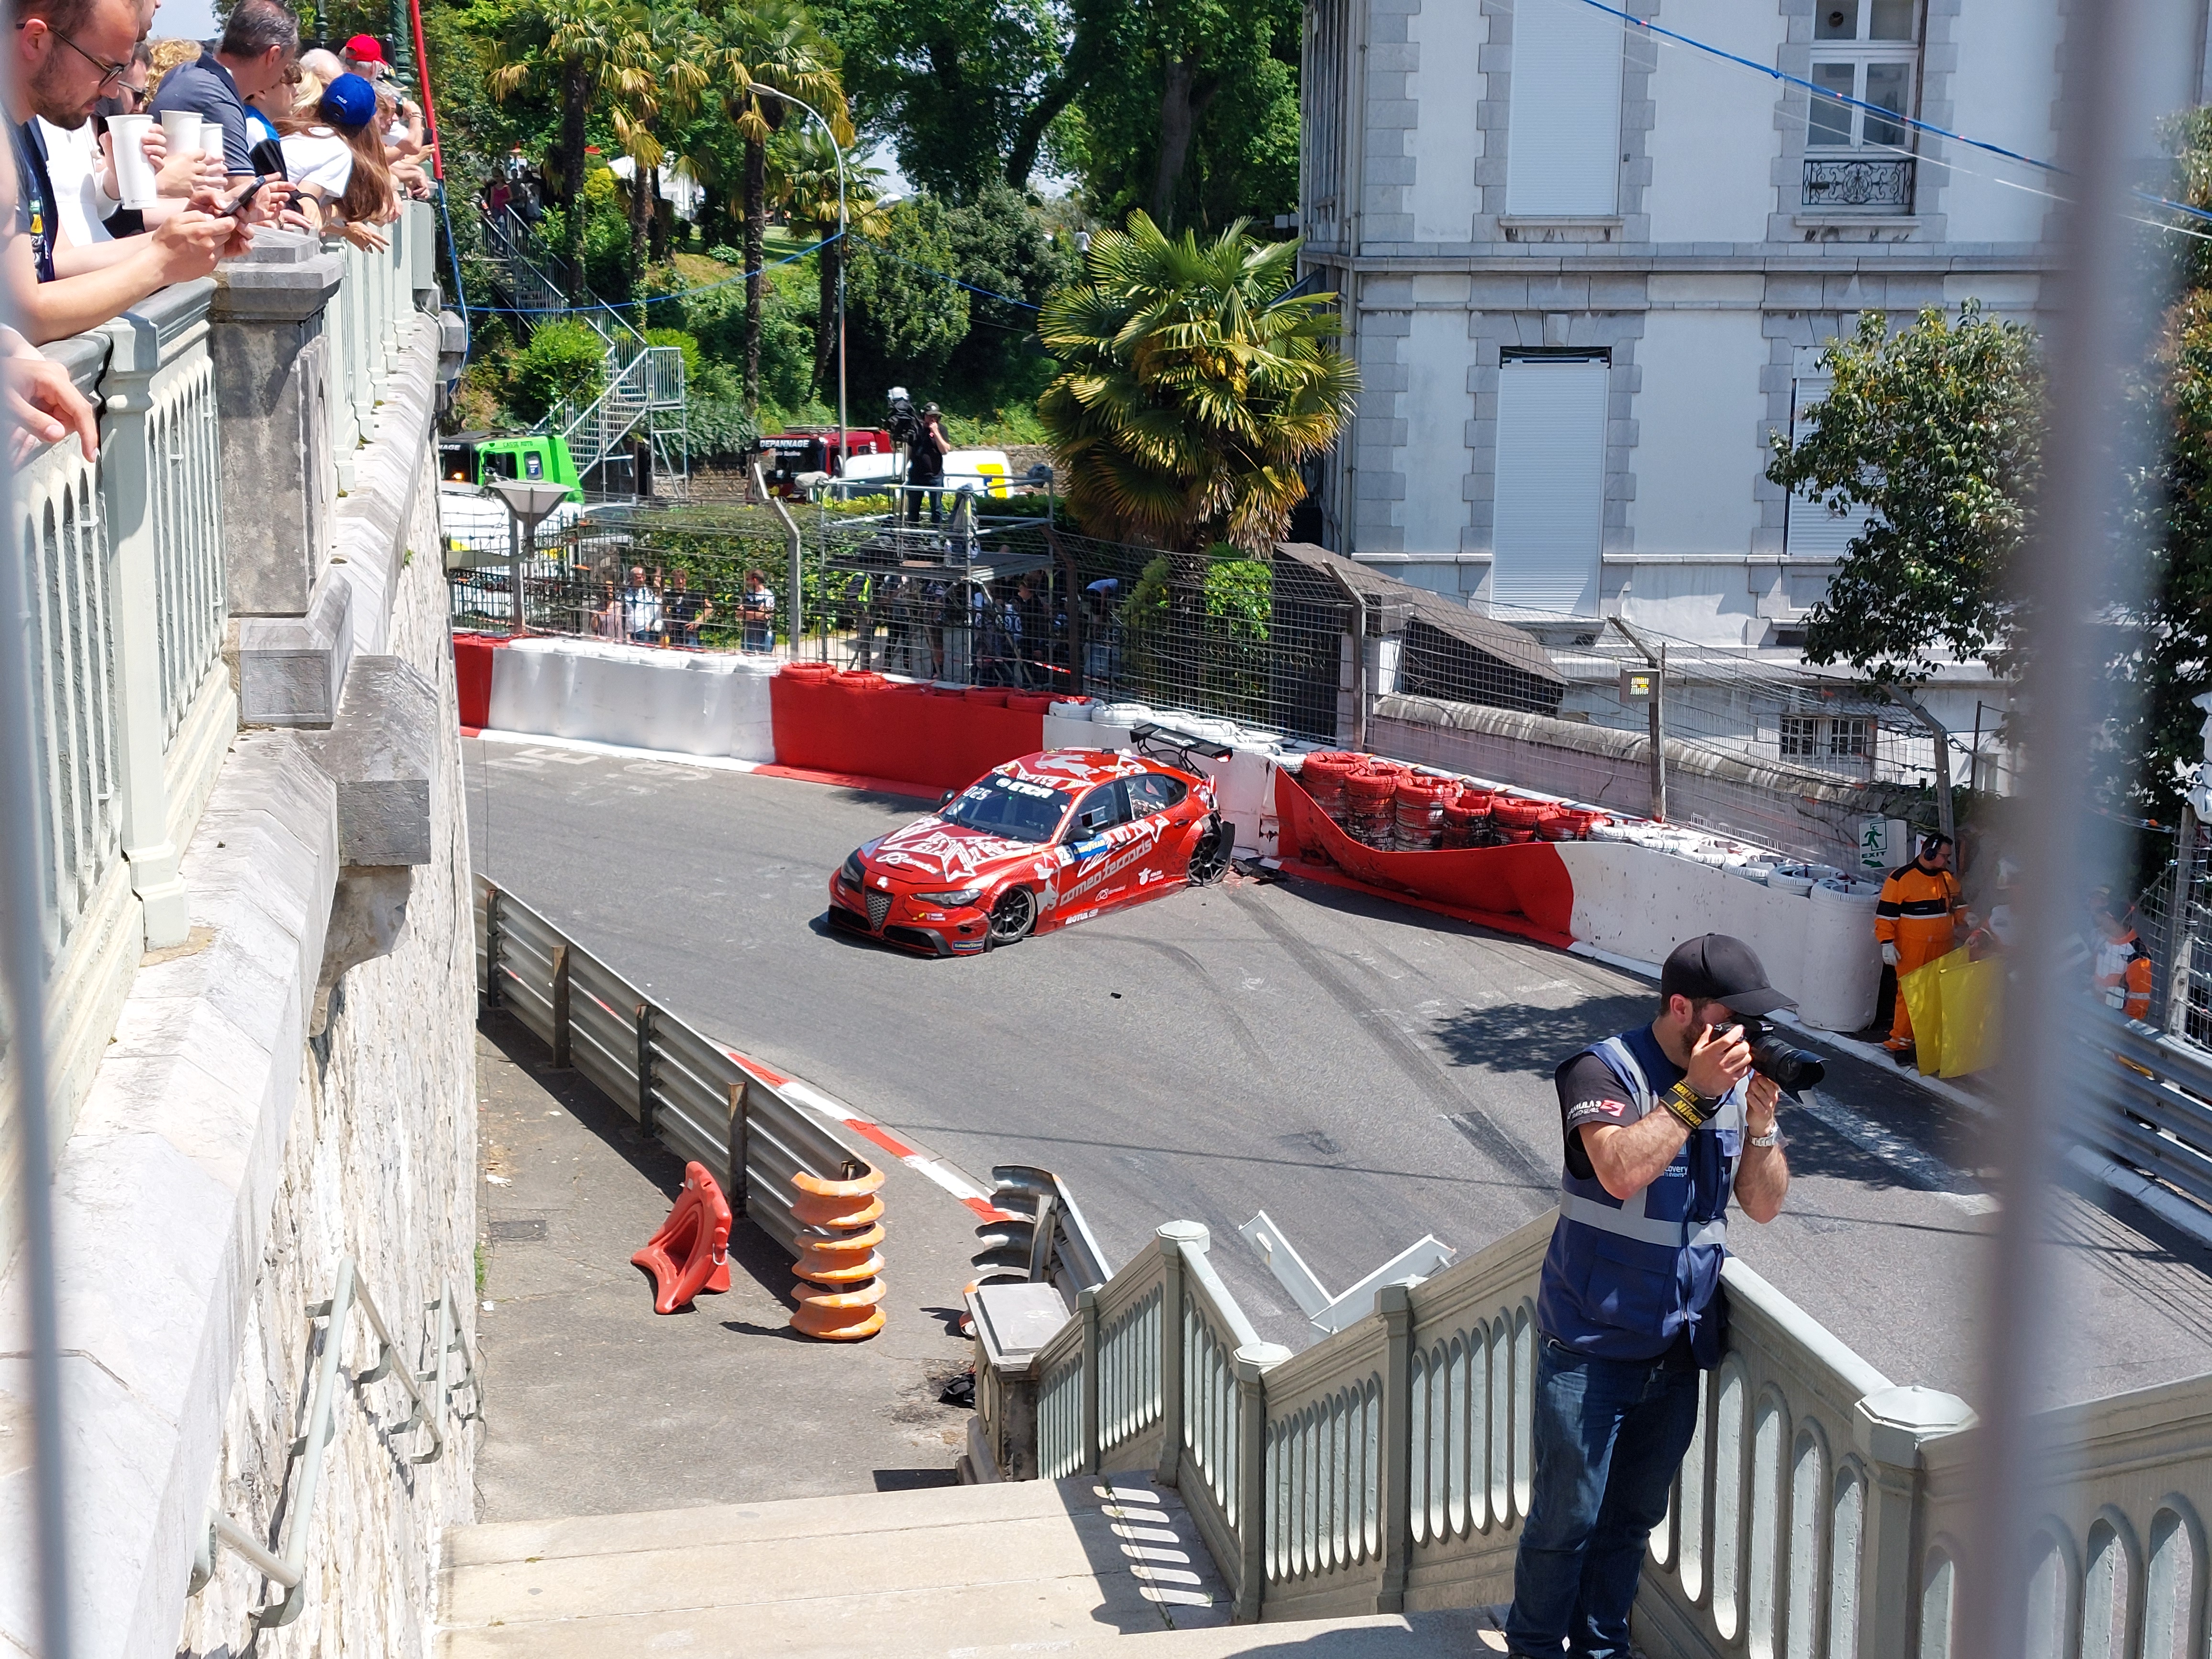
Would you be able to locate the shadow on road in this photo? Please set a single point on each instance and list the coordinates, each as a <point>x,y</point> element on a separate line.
<point>1516,1038</point>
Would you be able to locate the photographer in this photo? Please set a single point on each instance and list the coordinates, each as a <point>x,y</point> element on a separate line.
<point>1661,1123</point>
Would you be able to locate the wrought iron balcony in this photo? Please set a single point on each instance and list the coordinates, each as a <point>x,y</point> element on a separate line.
<point>1874,183</point>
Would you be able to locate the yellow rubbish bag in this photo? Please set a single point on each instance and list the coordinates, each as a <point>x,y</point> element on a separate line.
<point>1956,1007</point>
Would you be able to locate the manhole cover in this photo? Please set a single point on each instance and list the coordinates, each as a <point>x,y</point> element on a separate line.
<point>533,1228</point>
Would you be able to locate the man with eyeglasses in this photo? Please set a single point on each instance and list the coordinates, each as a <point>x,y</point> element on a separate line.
<point>69,53</point>
<point>259,49</point>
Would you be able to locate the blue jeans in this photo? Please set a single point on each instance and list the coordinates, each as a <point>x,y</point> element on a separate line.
<point>1609,1436</point>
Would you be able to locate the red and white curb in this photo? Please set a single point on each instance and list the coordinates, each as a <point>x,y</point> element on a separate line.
<point>834,1114</point>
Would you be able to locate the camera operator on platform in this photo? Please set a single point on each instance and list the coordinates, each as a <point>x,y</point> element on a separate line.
<point>1661,1123</point>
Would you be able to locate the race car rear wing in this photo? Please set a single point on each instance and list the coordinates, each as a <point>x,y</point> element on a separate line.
<point>1177,748</point>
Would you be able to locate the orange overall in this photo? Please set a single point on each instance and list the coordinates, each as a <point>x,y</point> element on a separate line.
<point>1918,912</point>
<point>2122,976</point>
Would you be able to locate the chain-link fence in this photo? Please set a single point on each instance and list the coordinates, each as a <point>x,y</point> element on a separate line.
<point>2173,915</point>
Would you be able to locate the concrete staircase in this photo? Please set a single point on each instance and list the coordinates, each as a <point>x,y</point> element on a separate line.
<point>1071,1566</point>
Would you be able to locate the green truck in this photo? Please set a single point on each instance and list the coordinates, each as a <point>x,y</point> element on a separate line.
<point>477,457</point>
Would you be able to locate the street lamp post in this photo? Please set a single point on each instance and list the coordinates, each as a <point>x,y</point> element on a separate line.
<point>837,149</point>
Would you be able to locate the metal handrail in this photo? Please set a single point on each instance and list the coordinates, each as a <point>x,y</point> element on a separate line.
<point>288,1565</point>
<point>2156,1091</point>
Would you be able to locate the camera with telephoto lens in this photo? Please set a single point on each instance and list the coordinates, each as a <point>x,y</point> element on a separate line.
<point>1770,1057</point>
<point>905,426</point>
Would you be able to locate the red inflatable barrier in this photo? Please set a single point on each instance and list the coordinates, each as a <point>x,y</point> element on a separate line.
<point>1523,890</point>
<point>886,731</point>
<point>698,1231</point>
<point>472,677</point>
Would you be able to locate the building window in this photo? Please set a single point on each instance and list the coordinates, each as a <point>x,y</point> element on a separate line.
<point>1547,528</point>
<point>1850,736</point>
<point>1812,531</point>
<point>1866,66</point>
<point>1801,736</point>
<point>1563,136</point>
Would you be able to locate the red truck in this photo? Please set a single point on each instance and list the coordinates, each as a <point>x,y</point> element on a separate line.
<point>787,454</point>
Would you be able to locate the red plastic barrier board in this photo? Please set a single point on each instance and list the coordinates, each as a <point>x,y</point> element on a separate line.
<point>896,732</point>
<point>472,677</point>
<point>1523,890</point>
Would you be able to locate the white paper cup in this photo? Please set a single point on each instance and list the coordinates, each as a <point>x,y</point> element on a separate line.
<point>211,139</point>
<point>134,173</point>
<point>182,127</point>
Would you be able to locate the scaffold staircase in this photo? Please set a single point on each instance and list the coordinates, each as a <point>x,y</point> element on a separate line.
<point>640,388</point>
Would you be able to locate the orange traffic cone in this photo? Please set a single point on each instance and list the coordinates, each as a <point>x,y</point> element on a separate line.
<point>690,1253</point>
<point>838,1288</point>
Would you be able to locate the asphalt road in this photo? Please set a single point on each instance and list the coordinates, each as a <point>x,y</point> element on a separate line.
<point>1366,1073</point>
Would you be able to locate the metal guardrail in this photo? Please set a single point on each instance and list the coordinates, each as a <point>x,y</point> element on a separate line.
<point>429,1391</point>
<point>690,1094</point>
<point>2157,1092</point>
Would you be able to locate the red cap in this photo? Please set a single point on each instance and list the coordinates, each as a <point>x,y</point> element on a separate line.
<point>363,49</point>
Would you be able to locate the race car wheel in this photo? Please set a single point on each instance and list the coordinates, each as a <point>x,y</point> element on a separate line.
<point>1014,915</point>
<point>1210,858</point>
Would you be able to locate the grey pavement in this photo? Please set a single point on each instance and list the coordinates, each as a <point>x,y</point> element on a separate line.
<point>596,1405</point>
<point>1365,1073</point>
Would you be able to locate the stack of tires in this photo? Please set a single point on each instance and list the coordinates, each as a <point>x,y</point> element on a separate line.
<point>1419,825</point>
<point>1466,819</point>
<point>1371,793</point>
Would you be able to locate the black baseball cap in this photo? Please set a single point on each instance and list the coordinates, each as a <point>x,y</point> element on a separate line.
<point>1715,967</point>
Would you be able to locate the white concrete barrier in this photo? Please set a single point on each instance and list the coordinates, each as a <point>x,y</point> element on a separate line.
<point>1818,947</point>
<point>686,702</point>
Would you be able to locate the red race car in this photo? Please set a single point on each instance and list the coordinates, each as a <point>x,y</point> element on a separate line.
<point>1035,844</point>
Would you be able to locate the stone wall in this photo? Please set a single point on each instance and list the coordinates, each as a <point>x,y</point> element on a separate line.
<point>379,1165</point>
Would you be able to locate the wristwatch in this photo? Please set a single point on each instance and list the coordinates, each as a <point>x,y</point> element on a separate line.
<point>1771,1138</point>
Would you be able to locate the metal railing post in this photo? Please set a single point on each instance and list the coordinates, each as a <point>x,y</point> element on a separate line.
<point>1172,1238</point>
<point>309,1446</point>
<point>491,996</point>
<point>1253,1362</point>
<point>1086,1307</point>
<point>734,1183</point>
<point>647,1112</point>
<point>561,1005</point>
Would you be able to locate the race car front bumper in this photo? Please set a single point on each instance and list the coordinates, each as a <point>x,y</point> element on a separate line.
<point>897,919</point>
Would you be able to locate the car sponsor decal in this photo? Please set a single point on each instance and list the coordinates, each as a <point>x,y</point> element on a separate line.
<point>1085,849</point>
<point>1140,846</point>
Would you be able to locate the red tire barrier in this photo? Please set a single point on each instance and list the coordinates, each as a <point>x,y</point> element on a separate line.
<point>1030,702</point>
<point>1523,890</point>
<point>698,1231</point>
<point>991,696</point>
<point>808,671</point>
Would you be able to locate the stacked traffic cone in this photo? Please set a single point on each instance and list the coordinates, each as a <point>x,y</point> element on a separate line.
<point>838,1288</point>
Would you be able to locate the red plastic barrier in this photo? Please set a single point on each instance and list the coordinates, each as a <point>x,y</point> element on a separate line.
<point>1523,890</point>
<point>882,730</point>
<point>690,1253</point>
<point>472,676</point>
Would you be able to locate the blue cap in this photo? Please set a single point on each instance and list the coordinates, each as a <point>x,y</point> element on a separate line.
<point>348,102</point>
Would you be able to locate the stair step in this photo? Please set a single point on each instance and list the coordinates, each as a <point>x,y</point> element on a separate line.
<point>887,1573</point>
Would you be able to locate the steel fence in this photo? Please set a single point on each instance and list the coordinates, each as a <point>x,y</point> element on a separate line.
<point>2174,918</point>
<point>678,1087</point>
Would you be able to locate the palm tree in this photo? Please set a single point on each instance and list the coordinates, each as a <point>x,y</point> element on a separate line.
<point>676,79</point>
<point>771,47</point>
<point>577,48</point>
<point>1190,389</point>
<point>803,181</point>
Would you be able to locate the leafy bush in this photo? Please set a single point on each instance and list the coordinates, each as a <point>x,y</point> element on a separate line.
<point>685,341</point>
<point>562,360</point>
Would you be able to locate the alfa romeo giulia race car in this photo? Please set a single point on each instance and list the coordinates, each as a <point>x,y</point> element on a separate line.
<point>1035,844</point>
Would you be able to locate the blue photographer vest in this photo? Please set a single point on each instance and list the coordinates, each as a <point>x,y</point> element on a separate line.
<point>1625,1280</point>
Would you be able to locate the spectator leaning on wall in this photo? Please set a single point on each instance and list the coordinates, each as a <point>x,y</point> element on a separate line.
<point>259,49</point>
<point>69,54</point>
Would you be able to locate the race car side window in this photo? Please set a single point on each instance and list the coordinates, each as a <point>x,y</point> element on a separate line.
<point>1154,791</point>
<point>1100,810</point>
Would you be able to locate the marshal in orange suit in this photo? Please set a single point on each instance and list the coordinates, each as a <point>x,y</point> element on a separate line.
<point>1917,919</point>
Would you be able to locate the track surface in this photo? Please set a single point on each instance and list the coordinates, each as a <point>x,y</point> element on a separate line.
<point>1364,1073</point>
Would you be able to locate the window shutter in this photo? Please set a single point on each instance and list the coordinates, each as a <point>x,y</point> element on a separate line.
<point>1562,147</point>
<point>1814,532</point>
<point>1549,524</point>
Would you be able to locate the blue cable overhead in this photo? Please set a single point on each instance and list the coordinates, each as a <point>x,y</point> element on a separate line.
<point>658,299</point>
<point>1917,125</point>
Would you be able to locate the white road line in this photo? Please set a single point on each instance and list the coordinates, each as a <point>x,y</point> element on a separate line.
<point>1925,1172</point>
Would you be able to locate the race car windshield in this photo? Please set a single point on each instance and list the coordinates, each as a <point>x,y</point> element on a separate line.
<point>1012,807</point>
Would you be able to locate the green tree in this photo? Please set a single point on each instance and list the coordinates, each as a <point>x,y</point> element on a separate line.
<point>962,90</point>
<point>563,360</point>
<point>1934,430</point>
<point>1199,121</point>
<point>579,49</point>
<point>1002,243</point>
<point>767,47</point>
<point>904,320</point>
<point>803,180</point>
<point>1190,388</point>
